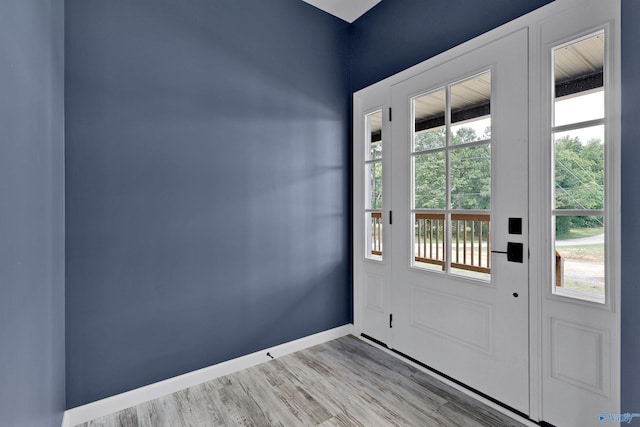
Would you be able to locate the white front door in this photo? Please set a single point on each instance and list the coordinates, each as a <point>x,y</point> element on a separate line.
<point>460,199</point>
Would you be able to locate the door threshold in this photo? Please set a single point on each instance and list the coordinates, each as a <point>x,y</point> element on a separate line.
<point>506,409</point>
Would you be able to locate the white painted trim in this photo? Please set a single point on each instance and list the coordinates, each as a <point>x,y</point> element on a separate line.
<point>536,211</point>
<point>65,420</point>
<point>100,408</point>
<point>458,387</point>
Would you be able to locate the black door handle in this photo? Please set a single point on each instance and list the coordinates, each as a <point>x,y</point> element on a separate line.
<point>515,252</point>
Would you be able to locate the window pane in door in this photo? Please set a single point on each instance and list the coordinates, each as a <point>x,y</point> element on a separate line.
<point>579,108</point>
<point>429,241</point>
<point>471,177</point>
<point>374,132</point>
<point>470,245</point>
<point>430,185</point>
<point>429,121</point>
<point>374,182</point>
<point>580,255</point>
<point>578,74</point>
<point>471,109</point>
<point>374,235</point>
<point>579,168</point>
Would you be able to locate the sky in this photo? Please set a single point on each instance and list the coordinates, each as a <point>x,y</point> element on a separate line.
<point>567,111</point>
<point>580,109</point>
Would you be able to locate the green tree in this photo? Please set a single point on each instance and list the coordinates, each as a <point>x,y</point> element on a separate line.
<point>429,170</point>
<point>470,171</point>
<point>579,180</point>
<point>471,177</point>
<point>430,180</point>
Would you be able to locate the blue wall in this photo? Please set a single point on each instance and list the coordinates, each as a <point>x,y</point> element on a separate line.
<point>32,388</point>
<point>197,137</point>
<point>397,34</point>
<point>630,206</point>
<point>208,184</point>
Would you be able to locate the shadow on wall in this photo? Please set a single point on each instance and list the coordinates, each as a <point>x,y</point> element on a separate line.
<point>208,184</point>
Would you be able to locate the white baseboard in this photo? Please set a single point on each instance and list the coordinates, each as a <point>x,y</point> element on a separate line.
<point>100,408</point>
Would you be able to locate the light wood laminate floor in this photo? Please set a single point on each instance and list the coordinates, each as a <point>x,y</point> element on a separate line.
<point>345,382</point>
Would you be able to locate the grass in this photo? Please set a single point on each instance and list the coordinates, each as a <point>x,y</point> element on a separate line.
<point>578,233</point>
<point>591,288</point>
<point>587,253</point>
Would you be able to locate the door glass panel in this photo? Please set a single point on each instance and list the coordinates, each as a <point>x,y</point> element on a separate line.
<point>430,181</point>
<point>429,121</point>
<point>374,227</point>
<point>471,178</point>
<point>373,186</point>
<point>451,161</point>
<point>578,71</point>
<point>429,241</point>
<point>470,245</point>
<point>570,109</point>
<point>374,130</point>
<point>374,173</point>
<point>471,110</point>
<point>579,169</point>
<point>579,254</point>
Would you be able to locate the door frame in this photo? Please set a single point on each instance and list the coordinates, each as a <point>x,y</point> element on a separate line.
<point>537,293</point>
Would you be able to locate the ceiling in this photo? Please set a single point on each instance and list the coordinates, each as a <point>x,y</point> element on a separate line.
<point>465,96</point>
<point>347,10</point>
<point>583,58</point>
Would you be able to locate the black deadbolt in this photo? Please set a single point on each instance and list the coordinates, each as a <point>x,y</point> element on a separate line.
<point>515,225</point>
<point>515,295</point>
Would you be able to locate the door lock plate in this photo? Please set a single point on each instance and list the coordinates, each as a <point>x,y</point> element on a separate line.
<point>515,252</point>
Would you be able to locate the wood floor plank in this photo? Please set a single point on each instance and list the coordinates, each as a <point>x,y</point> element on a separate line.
<point>388,398</point>
<point>310,407</point>
<point>243,409</point>
<point>455,402</point>
<point>196,409</point>
<point>356,402</point>
<point>397,391</point>
<point>125,418</point>
<point>345,382</point>
<point>160,412</point>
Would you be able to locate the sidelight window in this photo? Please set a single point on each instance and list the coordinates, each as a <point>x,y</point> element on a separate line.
<point>578,150</point>
<point>373,185</point>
